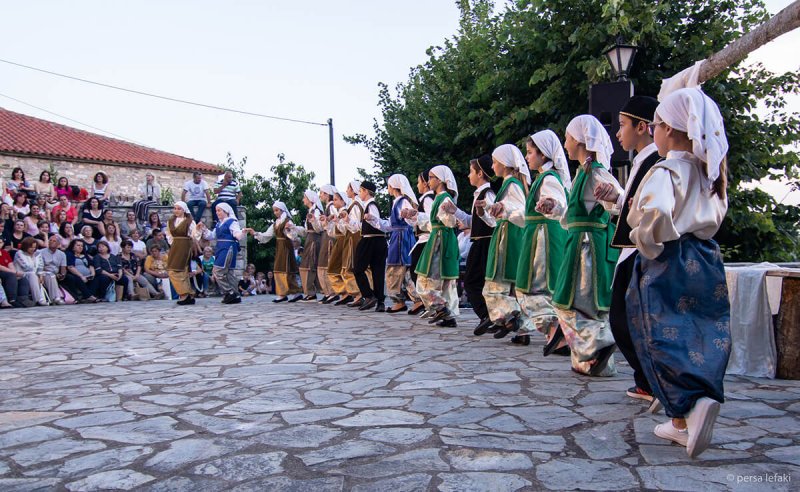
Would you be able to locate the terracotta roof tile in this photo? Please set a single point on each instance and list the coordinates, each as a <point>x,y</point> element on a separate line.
<point>23,134</point>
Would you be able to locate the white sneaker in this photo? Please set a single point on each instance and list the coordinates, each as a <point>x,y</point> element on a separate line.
<point>59,302</point>
<point>668,431</point>
<point>43,303</point>
<point>700,423</point>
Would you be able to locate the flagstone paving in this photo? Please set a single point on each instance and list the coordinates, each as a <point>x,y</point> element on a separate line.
<point>259,396</point>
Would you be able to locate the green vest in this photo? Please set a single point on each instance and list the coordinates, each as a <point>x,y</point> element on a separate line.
<point>555,239</point>
<point>506,238</point>
<point>448,255</point>
<point>604,257</point>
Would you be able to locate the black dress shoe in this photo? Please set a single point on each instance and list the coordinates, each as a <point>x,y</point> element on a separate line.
<point>558,335</point>
<point>280,299</point>
<point>322,301</point>
<point>441,314</point>
<point>447,323</point>
<point>565,351</point>
<point>483,327</point>
<point>330,299</point>
<point>235,300</point>
<point>189,300</point>
<point>380,308</point>
<point>309,298</point>
<point>296,298</point>
<point>416,310</point>
<point>356,304</point>
<point>226,298</point>
<point>343,301</point>
<point>501,332</point>
<point>398,310</point>
<point>521,340</point>
<point>602,360</point>
<point>368,304</point>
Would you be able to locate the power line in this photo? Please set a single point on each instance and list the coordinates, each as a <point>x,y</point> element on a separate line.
<point>70,119</point>
<point>166,98</point>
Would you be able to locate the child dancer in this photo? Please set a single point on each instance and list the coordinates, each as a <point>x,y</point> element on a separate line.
<point>424,207</point>
<point>582,294</point>
<point>437,270</point>
<point>285,266</point>
<point>633,134</point>
<point>504,248</point>
<point>370,252</point>
<point>350,223</point>
<point>308,264</point>
<point>481,227</point>
<point>677,301</point>
<point>543,239</point>
<point>227,233</point>
<point>325,243</point>
<point>338,244</point>
<point>401,240</point>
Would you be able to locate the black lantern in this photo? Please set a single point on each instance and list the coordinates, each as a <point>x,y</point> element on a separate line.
<point>620,56</point>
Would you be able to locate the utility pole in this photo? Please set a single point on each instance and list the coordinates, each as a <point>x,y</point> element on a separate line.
<point>330,143</point>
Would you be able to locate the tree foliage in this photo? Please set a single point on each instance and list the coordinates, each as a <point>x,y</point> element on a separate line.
<point>287,182</point>
<point>505,75</point>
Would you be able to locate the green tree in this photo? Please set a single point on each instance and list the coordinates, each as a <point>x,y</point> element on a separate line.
<point>504,76</point>
<point>287,182</point>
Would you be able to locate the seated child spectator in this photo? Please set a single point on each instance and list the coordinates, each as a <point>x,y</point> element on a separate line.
<point>262,287</point>
<point>247,285</point>
<point>207,261</point>
<point>139,247</point>
<point>132,271</point>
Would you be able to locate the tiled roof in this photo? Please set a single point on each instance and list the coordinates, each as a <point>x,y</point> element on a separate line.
<point>23,134</point>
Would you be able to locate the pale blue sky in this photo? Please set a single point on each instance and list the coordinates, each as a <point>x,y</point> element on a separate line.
<point>308,59</point>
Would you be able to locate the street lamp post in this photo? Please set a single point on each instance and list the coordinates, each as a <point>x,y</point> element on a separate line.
<point>620,56</point>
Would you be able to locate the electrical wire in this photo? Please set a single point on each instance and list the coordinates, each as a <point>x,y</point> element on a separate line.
<point>71,119</point>
<point>166,98</point>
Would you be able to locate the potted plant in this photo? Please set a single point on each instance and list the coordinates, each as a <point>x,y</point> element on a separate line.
<point>166,196</point>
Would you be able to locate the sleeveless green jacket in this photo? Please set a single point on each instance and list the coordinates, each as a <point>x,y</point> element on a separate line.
<point>506,240</point>
<point>604,257</point>
<point>448,254</point>
<point>554,235</point>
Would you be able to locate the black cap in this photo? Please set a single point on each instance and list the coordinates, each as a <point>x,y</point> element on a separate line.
<point>640,108</point>
<point>484,162</point>
<point>368,185</point>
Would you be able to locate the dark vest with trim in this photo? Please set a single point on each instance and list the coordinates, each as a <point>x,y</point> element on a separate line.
<point>480,229</point>
<point>366,228</point>
<point>621,237</point>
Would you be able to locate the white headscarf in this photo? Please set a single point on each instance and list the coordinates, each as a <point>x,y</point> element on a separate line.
<point>344,197</point>
<point>329,189</point>
<point>279,204</point>
<point>510,156</point>
<point>227,209</point>
<point>689,77</point>
<point>446,176</point>
<point>548,144</point>
<point>691,111</point>
<point>401,183</point>
<point>355,185</point>
<point>183,206</point>
<point>590,132</point>
<point>313,197</point>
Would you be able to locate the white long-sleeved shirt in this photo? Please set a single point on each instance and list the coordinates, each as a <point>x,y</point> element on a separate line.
<point>466,217</point>
<point>370,207</point>
<point>179,221</point>
<point>236,231</point>
<point>314,222</point>
<point>513,201</point>
<point>550,188</point>
<point>623,197</point>
<point>671,202</point>
<point>266,236</point>
<point>386,224</point>
<point>419,220</point>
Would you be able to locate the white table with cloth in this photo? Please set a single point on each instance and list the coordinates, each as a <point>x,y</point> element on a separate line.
<point>755,298</point>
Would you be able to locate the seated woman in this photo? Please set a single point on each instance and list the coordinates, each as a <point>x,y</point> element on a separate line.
<point>18,184</point>
<point>100,188</point>
<point>93,216</point>
<point>58,219</point>
<point>44,187</point>
<point>21,207</point>
<point>66,233</point>
<point>63,188</point>
<point>8,276</point>
<point>16,236</point>
<point>153,223</point>
<point>129,225</point>
<point>155,269</point>
<point>132,271</point>
<point>30,270</point>
<point>32,220</point>
<point>90,246</point>
<point>108,272</point>
<point>43,236</point>
<point>149,194</point>
<point>80,278</point>
<point>113,238</point>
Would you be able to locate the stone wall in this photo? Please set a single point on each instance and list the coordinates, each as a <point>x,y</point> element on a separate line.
<point>123,179</point>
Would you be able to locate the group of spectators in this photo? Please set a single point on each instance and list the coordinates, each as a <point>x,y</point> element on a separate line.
<point>60,243</point>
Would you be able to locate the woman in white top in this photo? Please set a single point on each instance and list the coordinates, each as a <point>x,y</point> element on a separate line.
<point>180,233</point>
<point>677,301</point>
<point>30,268</point>
<point>100,188</point>
<point>149,194</point>
<point>113,239</point>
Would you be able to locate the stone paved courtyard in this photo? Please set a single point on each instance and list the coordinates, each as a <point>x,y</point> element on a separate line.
<point>152,396</point>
